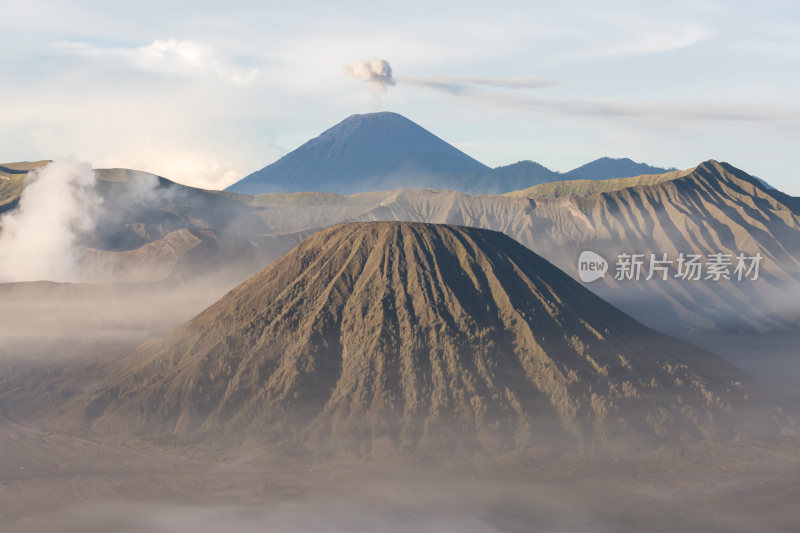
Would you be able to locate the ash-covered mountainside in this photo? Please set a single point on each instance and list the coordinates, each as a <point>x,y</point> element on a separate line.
<point>408,337</point>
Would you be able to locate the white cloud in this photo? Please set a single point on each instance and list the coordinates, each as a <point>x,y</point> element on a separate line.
<point>166,56</point>
<point>150,140</point>
<point>175,53</point>
<point>654,40</point>
<point>609,34</point>
<point>183,165</point>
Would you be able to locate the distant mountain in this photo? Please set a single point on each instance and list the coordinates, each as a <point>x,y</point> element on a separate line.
<point>508,178</point>
<point>399,338</point>
<point>139,207</point>
<point>764,183</point>
<point>588,187</point>
<point>375,151</point>
<point>150,228</point>
<point>610,168</point>
<point>385,151</point>
<point>525,174</point>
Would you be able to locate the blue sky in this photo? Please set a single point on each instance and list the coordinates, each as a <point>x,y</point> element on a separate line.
<point>207,92</point>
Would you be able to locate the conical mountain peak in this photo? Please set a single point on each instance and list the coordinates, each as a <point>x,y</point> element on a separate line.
<point>411,336</point>
<point>375,151</point>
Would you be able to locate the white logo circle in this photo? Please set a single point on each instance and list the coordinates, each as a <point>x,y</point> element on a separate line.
<point>591,266</point>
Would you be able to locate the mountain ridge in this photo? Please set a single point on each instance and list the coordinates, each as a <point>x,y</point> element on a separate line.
<point>381,151</point>
<point>711,208</point>
<point>717,208</point>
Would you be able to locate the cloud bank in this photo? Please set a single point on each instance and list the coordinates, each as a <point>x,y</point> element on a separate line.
<point>166,56</point>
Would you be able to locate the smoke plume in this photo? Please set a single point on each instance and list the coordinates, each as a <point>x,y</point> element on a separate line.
<point>376,72</point>
<point>38,239</point>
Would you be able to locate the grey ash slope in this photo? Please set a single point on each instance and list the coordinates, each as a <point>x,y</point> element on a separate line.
<point>375,151</point>
<point>394,337</point>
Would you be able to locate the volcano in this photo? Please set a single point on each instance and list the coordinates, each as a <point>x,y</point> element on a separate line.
<point>418,337</point>
<point>611,168</point>
<point>370,152</point>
